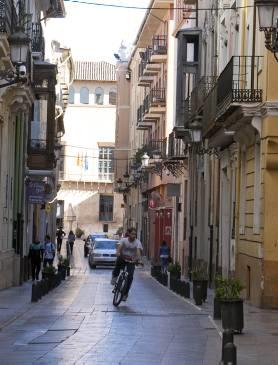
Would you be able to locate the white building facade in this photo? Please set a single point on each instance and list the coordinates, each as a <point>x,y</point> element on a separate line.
<point>87,175</point>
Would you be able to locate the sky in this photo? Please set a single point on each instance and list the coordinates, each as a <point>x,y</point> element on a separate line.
<point>95,33</point>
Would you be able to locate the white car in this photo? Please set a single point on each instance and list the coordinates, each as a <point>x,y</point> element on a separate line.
<point>103,252</point>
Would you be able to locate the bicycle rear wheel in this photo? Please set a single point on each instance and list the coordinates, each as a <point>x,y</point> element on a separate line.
<point>119,290</point>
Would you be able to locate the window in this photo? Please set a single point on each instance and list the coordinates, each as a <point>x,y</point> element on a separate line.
<point>105,163</point>
<point>84,95</point>
<point>242,203</point>
<point>99,96</point>
<point>113,96</point>
<point>106,208</point>
<point>257,189</point>
<point>71,95</point>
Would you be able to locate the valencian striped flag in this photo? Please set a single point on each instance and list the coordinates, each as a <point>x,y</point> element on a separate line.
<point>86,164</point>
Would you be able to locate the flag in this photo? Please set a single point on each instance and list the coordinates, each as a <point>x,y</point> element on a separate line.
<point>78,160</point>
<point>86,165</point>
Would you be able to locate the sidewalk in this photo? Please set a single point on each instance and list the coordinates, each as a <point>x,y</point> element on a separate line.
<point>257,345</point>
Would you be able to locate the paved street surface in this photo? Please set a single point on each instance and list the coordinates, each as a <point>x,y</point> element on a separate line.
<point>77,324</point>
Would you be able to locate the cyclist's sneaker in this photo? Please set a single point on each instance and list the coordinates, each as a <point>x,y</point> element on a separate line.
<point>113,281</point>
<point>125,298</point>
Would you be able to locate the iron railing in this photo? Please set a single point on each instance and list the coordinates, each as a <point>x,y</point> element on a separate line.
<point>146,104</point>
<point>175,147</point>
<point>156,146</point>
<point>37,38</point>
<point>8,17</point>
<point>238,83</point>
<point>201,91</point>
<point>38,144</point>
<point>158,96</point>
<point>159,45</point>
<point>140,114</point>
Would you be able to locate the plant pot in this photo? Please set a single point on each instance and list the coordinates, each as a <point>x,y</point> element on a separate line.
<point>68,271</point>
<point>204,286</point>
<point>63,271</point>
<point>232,314</point>
<point>217,308</point>
<point>185,289</point>
<point>198,293</point>
<point>176,275</point>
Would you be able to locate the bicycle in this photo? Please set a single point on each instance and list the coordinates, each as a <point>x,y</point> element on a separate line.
<point>121,284</point>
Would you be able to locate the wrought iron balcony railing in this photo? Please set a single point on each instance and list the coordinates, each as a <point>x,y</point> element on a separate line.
<point>158,96</point>
<point>38,145</point>
<point>159,45</point>
<point>146,104</point>
<point>37,42</point>
<point>156,147</point>
<point>200,92</point>
<point>8,17</point>
<point>141,68</point>
<point>140,114</point>
<point>238,83</point>
<point>175,148</point>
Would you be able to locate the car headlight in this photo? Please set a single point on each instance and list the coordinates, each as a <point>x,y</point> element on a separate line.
<point>97,254</point>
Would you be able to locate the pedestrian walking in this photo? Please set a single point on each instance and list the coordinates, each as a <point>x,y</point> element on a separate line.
<point>164,254</point>
<point>48,252</point>
<point>71,239</point>
<point>60,234</point>
<point>35,255</point>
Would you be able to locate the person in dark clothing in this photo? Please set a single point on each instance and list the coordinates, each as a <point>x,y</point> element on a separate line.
<point>164,254</point>
<point>60,235</point>
<point>35,255</point>
<point>71,239</point>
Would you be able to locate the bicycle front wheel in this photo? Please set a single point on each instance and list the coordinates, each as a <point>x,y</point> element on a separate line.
<point>119,290</point>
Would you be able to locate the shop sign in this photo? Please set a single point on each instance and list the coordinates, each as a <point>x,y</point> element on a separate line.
<point>36,192</point>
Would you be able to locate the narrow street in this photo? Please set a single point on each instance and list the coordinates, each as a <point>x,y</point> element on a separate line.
<point>77,324</point>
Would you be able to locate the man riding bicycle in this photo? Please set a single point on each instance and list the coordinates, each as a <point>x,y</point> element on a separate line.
<point>129,253</point>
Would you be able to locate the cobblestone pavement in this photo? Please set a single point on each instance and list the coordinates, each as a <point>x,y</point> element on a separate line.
<point>77,324</point>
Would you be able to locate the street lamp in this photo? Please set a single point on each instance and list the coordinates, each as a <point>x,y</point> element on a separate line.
<point>145,160</point>
<point>268,23</point>
<point>19,48</point>
<point>196,130</point>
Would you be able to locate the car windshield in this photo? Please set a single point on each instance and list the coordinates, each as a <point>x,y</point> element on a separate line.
<point>100,235</point>
<point>105,245</point>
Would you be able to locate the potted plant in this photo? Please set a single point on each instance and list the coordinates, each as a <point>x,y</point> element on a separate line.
<point>62,267</point>
<point>48,273</point>
<point>66,263</point>
<point>155,267</point>
<point>200,278</point>
<point>231,305</point>
<point>217,297</point>
<point>175,270</point>
<point>79,232</point>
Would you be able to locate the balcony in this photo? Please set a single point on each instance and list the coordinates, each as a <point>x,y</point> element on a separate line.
<point>183,118</point>
<point>175,148</point>
<point>37,39</point>
<point>156,147</point>
<point>200,92</point>
<point>141,123</point>
<point>159,49</point>
<point>144,78</point>
<point>150,114</point>
<point>239,83</point>
<point>157,101</point>
<point>8,19</point>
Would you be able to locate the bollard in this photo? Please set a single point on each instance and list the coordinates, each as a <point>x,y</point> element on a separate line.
<point>34,295</point>
<point>39,289</point>
<point>229,355</point>
<point>227,337</point>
